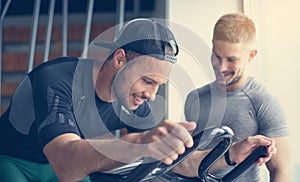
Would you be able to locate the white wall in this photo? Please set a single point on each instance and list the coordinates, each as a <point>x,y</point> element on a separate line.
<point>282,55</point>
<point>201,15</point>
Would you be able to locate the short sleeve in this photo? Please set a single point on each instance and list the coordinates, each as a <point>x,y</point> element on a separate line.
<point>271,118</point>
<point>52,99</point>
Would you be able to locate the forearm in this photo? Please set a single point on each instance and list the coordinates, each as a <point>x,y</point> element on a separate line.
<point>280,165</point>
<point>279,172</point>
<point>117,152</point>
<point>73,159</point>
<point>189,167</point>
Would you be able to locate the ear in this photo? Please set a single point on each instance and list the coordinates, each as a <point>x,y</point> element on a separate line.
<point>119,58</point>
<point>252,54</point>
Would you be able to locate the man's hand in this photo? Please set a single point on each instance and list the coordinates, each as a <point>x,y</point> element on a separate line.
<point>168,140</point>
<point>241,150</point>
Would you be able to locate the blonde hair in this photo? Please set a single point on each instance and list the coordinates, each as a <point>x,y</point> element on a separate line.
<point>234,28</point>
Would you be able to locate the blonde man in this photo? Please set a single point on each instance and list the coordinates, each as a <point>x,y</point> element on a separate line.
<point>248,108</point>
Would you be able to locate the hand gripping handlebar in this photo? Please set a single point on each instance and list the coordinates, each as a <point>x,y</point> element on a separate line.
<point>151,168</point>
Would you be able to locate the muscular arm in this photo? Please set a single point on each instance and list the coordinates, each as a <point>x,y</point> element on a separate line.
<point>73,158</point>
<point>279,165</point>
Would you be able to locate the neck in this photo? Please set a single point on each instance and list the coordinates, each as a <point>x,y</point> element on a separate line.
<point>103,77</point>
<point>234,86</point>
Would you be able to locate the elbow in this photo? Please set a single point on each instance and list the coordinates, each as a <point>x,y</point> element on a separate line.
<point>280,175</point>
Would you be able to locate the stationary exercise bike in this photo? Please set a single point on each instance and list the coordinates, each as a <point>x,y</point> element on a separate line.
<point>153,170</point>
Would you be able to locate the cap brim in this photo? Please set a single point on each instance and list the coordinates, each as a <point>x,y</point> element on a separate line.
<point>106,44</point>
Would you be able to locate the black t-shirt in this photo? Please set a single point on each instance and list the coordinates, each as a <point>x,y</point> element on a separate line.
<point>59,97</point>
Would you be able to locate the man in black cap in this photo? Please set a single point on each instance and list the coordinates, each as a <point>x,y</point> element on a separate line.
<point>50,130</point>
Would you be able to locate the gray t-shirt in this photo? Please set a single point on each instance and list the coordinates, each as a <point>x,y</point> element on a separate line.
<point>248,111</point>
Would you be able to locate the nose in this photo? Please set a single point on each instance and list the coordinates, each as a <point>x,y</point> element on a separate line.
<point>151,92</point>
<point>220,64</point>
<point>223,65</point>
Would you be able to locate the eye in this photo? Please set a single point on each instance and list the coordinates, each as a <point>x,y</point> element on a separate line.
<point>219,58</point>
<point>232,59</point>
<point>148,81</point>
<point>216,57</point>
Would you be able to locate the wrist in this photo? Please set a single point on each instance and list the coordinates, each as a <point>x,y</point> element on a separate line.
<point>133,138</point>
<point>132,142</point>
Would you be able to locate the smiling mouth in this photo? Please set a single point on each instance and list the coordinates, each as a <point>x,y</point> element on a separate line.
<point>222,76</point>
<point>138,100</point>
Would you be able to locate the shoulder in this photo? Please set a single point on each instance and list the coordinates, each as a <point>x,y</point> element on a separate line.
<point>194,95</point>
<point>192,102</point>
<point>257,92</point>
<point>58,61</point>
<point>262,99</point>
<point>63,67</point>
<point>253,85</point>
<point>206,89</point>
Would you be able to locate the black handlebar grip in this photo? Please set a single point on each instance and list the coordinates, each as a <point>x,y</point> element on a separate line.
<point>243,166</point>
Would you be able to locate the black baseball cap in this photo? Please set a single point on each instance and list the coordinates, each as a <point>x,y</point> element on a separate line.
<point>146,37</point>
